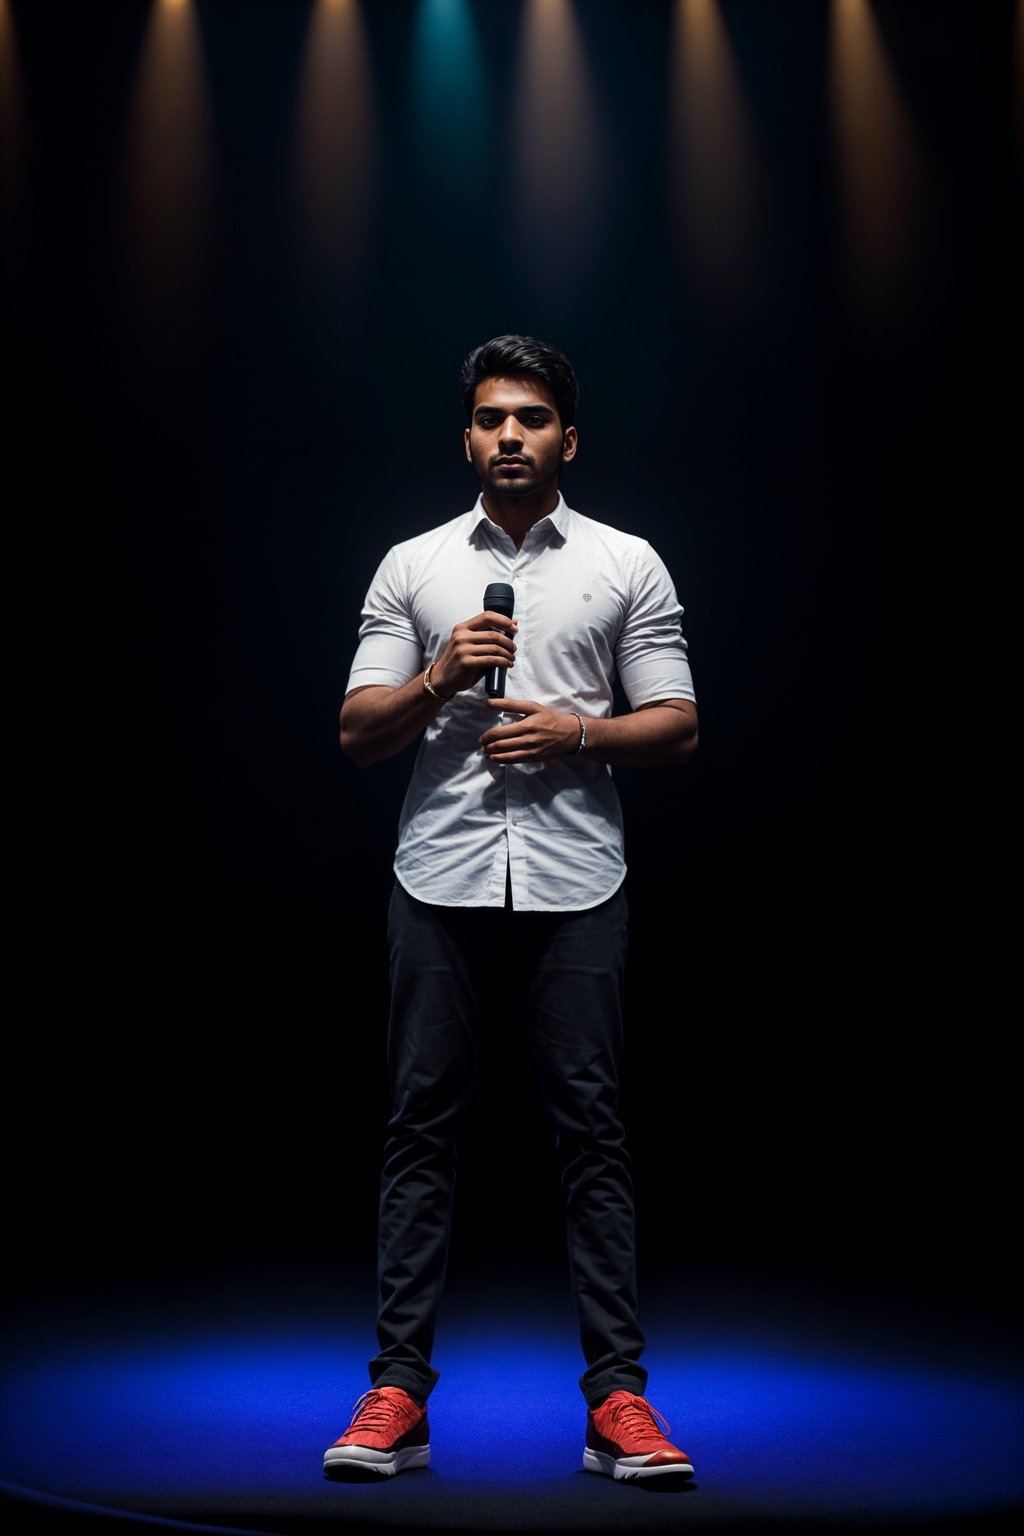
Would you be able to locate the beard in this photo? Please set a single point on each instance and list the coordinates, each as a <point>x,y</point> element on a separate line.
<point>529,478</point>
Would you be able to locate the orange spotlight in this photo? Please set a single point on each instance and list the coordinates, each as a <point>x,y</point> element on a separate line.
<point>879,164</point>
<point>168,157</point>
<point>714,189</point>
<point>335,141</point>
<point>557,156</point>
<point>10,108</point>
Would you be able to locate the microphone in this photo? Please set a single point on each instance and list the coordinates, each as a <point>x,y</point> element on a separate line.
<point>499,598</point>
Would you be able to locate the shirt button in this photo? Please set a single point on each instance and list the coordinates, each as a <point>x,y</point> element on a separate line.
<point>515,821</point>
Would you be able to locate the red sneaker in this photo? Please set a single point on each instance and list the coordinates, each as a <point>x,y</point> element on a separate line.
<point>624,1442</point>
<point>389,1433</point>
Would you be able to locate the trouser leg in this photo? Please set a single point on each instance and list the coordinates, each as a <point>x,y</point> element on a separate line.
<point>438,973</point>
<point>575,969</point>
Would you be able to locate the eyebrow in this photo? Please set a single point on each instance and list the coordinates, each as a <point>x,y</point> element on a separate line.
<point>523,410</point>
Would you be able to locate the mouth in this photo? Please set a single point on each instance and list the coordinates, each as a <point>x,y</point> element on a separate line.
<point>510,464</point>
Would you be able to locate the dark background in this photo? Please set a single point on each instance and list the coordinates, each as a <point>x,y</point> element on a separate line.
<point>219,416</point>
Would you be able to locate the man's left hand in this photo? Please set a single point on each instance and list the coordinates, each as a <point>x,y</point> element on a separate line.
<point>542,732</point>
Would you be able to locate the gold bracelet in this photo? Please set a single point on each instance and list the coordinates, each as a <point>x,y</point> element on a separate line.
<point>428,685</point>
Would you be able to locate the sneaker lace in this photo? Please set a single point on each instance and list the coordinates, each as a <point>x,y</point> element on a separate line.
<point>375,1410</point>
<point>639,1417</point>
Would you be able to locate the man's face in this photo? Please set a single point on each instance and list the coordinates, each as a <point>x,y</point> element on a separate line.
<point>516,443</point>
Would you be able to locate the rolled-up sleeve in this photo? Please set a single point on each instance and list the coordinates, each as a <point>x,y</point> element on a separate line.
<point>390,651</point>
<point>651,653</point>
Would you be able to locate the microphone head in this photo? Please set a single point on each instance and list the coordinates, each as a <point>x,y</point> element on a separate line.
<point>499,597</point>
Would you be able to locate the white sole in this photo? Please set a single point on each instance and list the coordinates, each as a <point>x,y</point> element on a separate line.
<point>358,1461</point>
<point>633,1470</point>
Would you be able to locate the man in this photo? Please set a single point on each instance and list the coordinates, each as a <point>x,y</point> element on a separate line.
<point>510,842</point>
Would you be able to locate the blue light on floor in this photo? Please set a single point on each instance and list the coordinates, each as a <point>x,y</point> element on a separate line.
<point>236,1420</point>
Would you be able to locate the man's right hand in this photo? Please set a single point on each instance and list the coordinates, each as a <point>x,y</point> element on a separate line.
<point>376,722</point>
<point>486,640</point>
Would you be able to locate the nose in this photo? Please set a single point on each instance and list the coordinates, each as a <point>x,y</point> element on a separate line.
<point>510,436</point>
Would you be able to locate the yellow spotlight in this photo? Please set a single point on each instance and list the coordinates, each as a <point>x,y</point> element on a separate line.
<point>335,142</point>
<point>10,107</point>
<point>880,167</point>
<point>556,154</point>
<point>168,156</point>
<point>714,189</point>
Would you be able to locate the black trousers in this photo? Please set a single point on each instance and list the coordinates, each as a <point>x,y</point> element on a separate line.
<point>569,970</point>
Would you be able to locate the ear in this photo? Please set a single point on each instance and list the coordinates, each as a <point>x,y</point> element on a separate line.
<point>469,456</point>
<point>570,443</point>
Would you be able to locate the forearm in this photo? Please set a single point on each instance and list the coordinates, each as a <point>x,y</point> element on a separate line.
<point>378,722</point>
<point>656,734</point>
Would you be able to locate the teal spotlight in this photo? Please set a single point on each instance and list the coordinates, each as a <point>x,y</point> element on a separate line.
<point>451,116</point>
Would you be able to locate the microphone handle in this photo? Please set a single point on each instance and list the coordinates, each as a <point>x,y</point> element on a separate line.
<point>494,679</point>
<point>500,598</point>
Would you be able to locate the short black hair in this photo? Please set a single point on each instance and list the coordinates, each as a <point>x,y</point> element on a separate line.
<point>507,356</point>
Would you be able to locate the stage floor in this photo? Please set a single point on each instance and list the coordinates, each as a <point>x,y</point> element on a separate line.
<point>212,1414</point>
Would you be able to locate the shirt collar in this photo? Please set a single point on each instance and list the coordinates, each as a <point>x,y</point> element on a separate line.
<point>559,518</point>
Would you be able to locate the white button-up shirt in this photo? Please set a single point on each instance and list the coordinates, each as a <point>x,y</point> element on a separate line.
<point>592,604</point>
